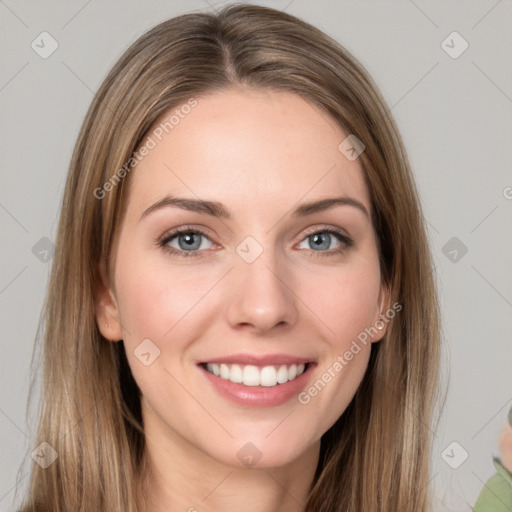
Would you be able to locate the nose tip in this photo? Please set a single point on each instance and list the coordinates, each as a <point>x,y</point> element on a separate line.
<point>262,324</point>
<point>262,301</point>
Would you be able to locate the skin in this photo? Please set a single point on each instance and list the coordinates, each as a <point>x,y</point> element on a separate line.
<point>261,154</point>
<point>505,445</point>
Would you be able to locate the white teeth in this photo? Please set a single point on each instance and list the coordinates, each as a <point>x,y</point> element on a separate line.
<point>282,374</point>
<point>250,375</point>
<point>236,374</point>
<point>224,371</point>
<point>268,376</point>
<point>213,368</point>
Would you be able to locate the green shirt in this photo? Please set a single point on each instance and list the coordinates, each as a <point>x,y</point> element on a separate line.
<point>496,496</point>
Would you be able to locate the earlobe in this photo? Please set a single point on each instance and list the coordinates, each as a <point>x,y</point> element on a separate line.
<point>107,311</point>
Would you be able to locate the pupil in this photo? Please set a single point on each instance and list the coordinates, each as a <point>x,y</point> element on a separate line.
<point>319,242</point>
<point>188,241</point>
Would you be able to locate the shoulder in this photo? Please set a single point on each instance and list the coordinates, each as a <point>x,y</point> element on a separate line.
<point>496,495</point>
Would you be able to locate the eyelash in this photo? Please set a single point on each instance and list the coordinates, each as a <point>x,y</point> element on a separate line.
<point>344,239</point>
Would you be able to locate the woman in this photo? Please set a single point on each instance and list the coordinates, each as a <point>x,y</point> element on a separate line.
<point>242,311</point>
<point>496,494</point>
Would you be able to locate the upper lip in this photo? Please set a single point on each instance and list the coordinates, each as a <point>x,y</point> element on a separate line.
<point>258,360</point>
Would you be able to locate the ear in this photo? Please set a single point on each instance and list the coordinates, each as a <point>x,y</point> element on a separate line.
<point>381,319</point>
<point>107,311</point>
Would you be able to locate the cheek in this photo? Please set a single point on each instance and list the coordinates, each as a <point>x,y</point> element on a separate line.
<point>153,296</point>
<point>345,301</point>
<point>346,304</point>
<point>156,303</point>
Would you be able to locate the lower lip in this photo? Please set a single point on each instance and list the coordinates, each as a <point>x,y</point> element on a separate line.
<point>259,396</point>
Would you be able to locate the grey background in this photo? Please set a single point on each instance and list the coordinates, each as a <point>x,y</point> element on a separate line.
<point>455,117</point>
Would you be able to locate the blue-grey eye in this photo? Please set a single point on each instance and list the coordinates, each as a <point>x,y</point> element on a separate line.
<point>187,241</point>
<point>322,241</point>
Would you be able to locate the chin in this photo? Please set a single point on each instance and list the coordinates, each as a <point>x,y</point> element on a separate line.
<point>261,453</point>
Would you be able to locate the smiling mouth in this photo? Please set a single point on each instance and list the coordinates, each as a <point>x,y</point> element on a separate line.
<point>263,376</point>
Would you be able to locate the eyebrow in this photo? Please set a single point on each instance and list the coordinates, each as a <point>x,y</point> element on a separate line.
<point>217,209</point>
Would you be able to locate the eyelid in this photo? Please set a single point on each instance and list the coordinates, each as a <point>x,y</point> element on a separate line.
<point>186,228</point>
<point>324,227</point>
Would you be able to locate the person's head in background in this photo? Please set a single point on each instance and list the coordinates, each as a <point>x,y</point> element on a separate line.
<point>150,395</point>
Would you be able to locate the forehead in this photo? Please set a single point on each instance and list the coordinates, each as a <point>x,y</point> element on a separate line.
<point>250,149</point>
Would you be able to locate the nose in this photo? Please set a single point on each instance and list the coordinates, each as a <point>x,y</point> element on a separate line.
<point>263,298</point>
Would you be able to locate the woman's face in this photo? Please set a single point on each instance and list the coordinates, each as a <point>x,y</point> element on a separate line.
<point>262,284</point>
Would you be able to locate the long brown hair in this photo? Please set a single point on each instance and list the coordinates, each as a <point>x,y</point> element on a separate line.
<point>376,456</point>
